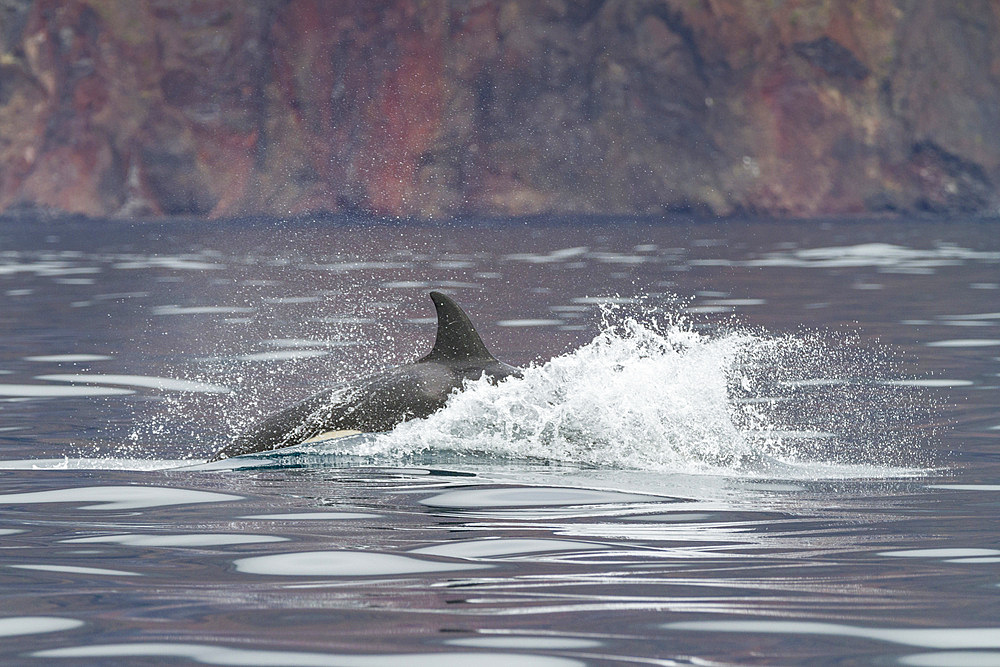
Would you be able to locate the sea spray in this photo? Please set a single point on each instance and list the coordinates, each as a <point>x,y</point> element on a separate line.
<point>654,393</point>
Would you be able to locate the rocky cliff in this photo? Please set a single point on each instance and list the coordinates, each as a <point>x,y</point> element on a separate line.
<point>435,108</point>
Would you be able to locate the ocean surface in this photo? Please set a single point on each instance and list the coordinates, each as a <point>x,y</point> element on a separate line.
<point>761,442</point>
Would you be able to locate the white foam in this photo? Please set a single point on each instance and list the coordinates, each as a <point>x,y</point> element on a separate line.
<point>653,397</point>
<point>634,398</point>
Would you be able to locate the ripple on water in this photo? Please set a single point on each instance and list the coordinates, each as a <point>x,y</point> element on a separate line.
<point>531,497</point>
<point>74,569</point>
<point>281,355</point>
<point>69,358</point>
<point>57,391</point>
<point>31,625</point>
<point>177,540</point>
<point>953,659</point>
<point>949,555</point>
<point>525,642</point>
<point>299,343</point>
<point>930,382</point>
<point>221,655</point>
<point>965,342</point>
<point>528,323</point>
<point>200,310</point>
<point>312,516</point>
<point>945,638</point>
<point>492,548</point>
<point>345,564</point>
<point>118,497</point>
<point>67,463</point>
<point>150,381</point>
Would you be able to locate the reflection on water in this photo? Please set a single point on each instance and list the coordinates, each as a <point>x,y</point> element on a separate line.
<point>117,497</point>
<point>218,655</point>
<point>344,564</point>
<point>776,450</point>
<point>29,625</point>
<point>988,637</point>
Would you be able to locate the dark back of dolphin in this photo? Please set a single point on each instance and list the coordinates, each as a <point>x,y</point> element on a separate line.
<point>381,401</point>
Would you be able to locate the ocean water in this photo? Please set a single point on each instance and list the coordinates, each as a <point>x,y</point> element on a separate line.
<point>736,443</point>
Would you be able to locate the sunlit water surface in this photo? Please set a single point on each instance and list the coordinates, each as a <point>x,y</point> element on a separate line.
<point>751,443</point>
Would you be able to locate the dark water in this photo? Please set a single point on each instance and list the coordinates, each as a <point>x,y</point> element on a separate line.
<point>781,448</point>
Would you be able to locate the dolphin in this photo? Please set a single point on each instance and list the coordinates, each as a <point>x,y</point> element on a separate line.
<point>381,401</point>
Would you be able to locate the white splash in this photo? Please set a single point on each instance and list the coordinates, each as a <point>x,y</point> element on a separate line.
<point>633,398</point>
<point>660,396</point>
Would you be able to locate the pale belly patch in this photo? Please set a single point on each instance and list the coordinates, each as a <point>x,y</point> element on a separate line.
<point>330,435</point>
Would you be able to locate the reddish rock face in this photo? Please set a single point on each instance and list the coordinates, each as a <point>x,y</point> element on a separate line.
<point>435,109</point>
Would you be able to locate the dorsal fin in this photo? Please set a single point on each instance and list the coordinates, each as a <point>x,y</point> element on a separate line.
<point>457,339</point>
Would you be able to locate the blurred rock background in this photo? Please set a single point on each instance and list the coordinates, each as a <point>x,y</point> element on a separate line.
<point>440,108</point>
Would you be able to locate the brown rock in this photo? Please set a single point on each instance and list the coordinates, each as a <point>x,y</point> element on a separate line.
<point>500,107</point>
